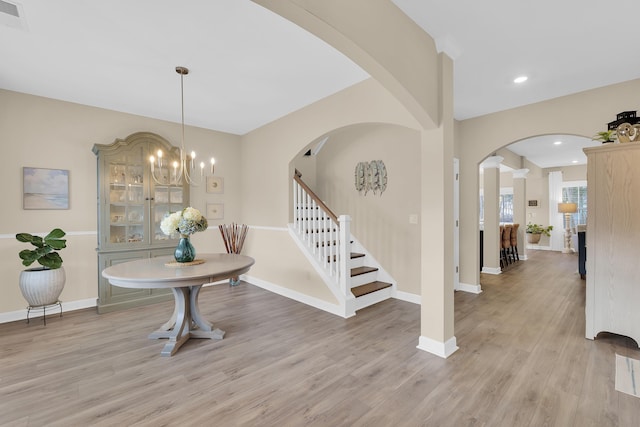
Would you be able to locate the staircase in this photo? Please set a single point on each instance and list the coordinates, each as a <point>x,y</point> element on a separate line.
<point>354,277</point>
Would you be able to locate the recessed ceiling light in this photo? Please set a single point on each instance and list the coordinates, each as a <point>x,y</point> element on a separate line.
<point>574,161</point>
<point>520,79</point>
<point>557,143</point>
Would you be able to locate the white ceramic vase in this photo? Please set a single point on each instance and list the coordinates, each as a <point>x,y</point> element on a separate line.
<point>42,286</point>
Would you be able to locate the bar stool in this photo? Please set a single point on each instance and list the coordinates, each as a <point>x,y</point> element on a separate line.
<point>506,243</point>
<point>502,259</point>
<point>514,242</point>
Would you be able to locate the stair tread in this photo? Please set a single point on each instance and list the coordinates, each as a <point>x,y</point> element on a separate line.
<point>362,270</point>
<point>353,255</point>
<point>368,288</point>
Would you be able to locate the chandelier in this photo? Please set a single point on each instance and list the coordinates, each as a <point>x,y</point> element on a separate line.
<point>177,172</point>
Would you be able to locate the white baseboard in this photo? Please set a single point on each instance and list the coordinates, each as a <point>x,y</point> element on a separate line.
<point>473,289</point>
<point>12,316</point>
<point>491,270</point>
<point>296,296</point>
<point>539,248</point>
<point>408,297</point>
<point>441,349</point>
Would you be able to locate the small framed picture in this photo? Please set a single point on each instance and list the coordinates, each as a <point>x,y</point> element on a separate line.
<point>215,184</point>
<point>215,210</point>
<point>45,188</point>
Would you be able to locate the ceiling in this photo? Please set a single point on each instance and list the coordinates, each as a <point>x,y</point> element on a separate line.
<point>248,66</point>
<point>554,150</point>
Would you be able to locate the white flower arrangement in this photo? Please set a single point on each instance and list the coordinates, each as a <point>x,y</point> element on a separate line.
<point>185,222</point>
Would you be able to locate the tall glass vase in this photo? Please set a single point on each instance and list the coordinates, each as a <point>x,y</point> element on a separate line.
<point>185,252</point>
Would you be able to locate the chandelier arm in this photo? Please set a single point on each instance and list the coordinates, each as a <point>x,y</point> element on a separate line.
<point>153,175</point>
<point>189,177</point>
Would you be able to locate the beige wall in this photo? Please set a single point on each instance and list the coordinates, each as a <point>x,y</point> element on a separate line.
<point>379,222</point>
<point>280,263</point>
<point>42,132</point>
<point>581,114</point>
<point>307,166</point>
<point>571,173</point>
<point>270,153</point>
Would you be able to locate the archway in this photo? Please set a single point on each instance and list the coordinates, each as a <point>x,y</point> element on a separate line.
<point>382,221</point>
<point>536,173</point>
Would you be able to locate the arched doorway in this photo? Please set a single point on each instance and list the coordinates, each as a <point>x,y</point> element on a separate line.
<point>525,182</point>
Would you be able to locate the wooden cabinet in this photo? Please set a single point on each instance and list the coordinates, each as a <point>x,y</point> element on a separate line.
<point>613,228</point>
<point>131,206</point>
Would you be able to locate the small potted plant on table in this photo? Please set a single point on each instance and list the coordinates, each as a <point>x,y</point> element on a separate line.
<point>535,231</point>
<point>606,137</point>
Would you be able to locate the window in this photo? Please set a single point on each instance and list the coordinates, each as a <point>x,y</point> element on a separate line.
<point>576,192</point>
<point>505,205</point>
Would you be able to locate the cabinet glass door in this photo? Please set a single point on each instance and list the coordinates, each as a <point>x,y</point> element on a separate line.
<point>167,199</point>
<point>126,198</point>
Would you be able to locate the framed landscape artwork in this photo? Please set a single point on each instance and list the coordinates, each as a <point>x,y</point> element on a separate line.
<point>45,188</point>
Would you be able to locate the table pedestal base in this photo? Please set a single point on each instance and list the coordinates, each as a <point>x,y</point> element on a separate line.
<point>185,322</point>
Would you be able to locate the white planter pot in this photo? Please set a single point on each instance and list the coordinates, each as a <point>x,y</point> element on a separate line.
<point>533,238</point>
<point>42,287</point>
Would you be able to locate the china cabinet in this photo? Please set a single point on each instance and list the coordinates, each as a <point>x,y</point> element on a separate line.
<point>613,237</point>
<point>131,206</point>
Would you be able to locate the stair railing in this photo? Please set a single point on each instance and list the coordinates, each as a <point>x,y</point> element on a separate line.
<point>326,236</point>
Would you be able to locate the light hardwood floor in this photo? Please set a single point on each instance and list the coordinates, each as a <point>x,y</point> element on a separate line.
<point>523,361</point>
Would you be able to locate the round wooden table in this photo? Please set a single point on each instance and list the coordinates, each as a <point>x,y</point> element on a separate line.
<point>185,282</point>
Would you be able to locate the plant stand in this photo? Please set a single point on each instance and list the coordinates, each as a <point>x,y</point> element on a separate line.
<point>43,308</point>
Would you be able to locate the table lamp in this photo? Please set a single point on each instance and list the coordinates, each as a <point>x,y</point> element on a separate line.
<point>567,209</point>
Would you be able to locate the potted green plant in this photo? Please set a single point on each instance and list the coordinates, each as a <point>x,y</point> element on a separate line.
<point>42,285</point>
<point>607,136</point>
<point>535,231</point>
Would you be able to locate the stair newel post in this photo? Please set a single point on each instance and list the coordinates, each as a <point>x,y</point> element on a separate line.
<point>344,243</point>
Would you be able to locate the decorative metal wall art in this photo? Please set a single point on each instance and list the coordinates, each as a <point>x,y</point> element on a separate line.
<point>371,176</point>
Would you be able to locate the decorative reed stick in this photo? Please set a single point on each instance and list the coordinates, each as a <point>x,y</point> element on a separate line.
<point>233,236</point>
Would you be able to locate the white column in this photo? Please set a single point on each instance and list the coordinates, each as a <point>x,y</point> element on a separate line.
<point>556,219</point>
<point>492,238</point>
<point>520,209</point>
